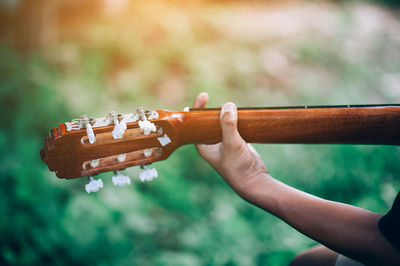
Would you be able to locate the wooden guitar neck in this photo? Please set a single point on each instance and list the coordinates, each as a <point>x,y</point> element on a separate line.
<point>85,147</point>
<point>350,124</point>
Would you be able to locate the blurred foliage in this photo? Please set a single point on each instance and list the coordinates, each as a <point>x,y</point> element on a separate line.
<point>189,216</point>
<point>392,3</point>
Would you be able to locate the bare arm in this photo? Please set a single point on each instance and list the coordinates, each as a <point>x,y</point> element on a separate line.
<point>346,229</point>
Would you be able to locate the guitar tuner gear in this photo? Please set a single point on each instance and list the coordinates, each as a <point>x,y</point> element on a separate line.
<point>74,125</point>
<point>94,185</point>
<point>80,123</point>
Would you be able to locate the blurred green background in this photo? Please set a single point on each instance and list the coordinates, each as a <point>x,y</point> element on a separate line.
<point>61,59</point>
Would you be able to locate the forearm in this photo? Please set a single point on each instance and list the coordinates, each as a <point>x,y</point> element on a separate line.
<point>349,230</point>
<point>346,229</point>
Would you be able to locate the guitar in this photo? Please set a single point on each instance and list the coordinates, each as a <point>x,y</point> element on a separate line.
<point>88,146</point>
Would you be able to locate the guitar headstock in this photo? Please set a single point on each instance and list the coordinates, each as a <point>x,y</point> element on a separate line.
<point>88,146</point>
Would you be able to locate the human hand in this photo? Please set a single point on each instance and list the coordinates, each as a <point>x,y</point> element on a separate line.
<point>235,160</point>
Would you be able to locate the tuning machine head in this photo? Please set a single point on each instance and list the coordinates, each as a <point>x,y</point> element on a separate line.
<point>120,180</point>
<point>147,174</point>
<point>94,185</point>
<point>89,146</point>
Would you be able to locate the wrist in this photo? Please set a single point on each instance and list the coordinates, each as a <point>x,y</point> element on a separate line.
<point>256,188</point>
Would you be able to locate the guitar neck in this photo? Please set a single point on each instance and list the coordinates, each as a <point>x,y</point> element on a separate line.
<point>350,124</point>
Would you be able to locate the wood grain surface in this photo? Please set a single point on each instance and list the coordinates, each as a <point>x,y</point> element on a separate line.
<point>69,153</point>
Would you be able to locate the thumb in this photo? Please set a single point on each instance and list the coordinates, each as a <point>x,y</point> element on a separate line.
<point>231,138</point>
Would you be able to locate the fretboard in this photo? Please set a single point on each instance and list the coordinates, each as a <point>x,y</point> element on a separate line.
<point>342,124</point>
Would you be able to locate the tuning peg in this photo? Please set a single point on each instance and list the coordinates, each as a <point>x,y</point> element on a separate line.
<point>148,174</point>
<point>90,134</point>
<point>119,130</point>
<point>120,180</point>
<point>86,122</point>
<point>147,127</point>
<point>94,185</point>
<point>120,125</point>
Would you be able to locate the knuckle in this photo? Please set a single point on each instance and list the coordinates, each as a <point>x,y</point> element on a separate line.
<point>236,147</point>
<point>229,122</point>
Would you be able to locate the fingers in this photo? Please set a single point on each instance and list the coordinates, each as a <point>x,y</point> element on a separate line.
<point>204,150</point>
<point>228,119</point>
<point>201,100</point>
<point>210,152</point>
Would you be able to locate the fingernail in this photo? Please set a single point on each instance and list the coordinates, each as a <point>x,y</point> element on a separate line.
<point>230,109</point>
<point>203,94</point>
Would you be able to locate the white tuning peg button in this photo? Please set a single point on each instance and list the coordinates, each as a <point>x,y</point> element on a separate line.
<point>90,133</point>
<point>94,185</point>
<point>119,129</point>
<point>120,180</point>
<point>148,174</point>
<point>147,127</point>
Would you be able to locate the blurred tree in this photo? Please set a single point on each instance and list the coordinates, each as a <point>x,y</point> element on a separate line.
<point>36,23</point>
<point>32,25</point>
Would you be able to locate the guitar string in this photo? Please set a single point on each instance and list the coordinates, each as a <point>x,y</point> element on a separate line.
<point>306,107</point>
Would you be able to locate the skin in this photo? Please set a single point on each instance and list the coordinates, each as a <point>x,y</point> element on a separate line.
<point>340,228</point>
